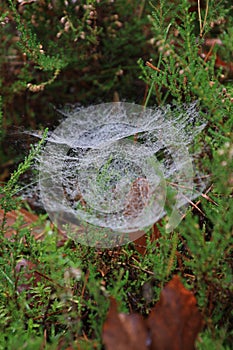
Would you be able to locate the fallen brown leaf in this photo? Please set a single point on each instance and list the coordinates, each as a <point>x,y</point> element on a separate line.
<point>137,198</point>
<point>124,332</point>
<point>173,323</point>
<point>175,320</point>
<point>29,220</point>
<point>140,243</point>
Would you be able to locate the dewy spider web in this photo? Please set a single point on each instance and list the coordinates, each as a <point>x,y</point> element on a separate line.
<point>109,171</point>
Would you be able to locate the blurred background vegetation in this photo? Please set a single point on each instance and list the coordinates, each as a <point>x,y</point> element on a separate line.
<point>58,52</point>
<point>55,52</point>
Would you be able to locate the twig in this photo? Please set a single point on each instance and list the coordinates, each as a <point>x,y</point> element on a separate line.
<point>206,13</point>
<point>152,66</point>
<point>199,17</point>
<point>193,204</point>
<point>202,26</point>
<point>209,52</point>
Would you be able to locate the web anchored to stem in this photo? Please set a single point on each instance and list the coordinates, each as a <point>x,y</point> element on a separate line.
<point>117,168</point>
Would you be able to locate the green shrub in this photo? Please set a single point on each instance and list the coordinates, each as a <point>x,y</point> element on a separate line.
<point>84,54</point>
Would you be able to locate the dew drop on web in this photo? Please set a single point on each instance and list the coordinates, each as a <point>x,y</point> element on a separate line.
<point>113,169</point>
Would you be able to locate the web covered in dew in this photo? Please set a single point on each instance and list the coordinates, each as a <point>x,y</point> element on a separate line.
<point>109,171</point>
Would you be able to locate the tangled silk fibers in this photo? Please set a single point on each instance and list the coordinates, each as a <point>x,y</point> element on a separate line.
<point>117,168</point>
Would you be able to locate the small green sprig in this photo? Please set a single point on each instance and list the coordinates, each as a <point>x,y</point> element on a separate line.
<point>8,202</point>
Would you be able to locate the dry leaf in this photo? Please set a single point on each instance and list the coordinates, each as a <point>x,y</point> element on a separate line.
<point>173,323</point>
<point>140,243</point>
<point>137,197</point>
<point>175,320</point>
<point>124,332</point>
<point>29,220</point>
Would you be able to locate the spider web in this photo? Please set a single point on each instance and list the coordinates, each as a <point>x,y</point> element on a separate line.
<point>115,169</point>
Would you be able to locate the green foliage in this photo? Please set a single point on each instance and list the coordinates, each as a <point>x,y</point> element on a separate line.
<point>32,48</point>
<point>84,37</point>
<point>181,70</point>
<point>1,118</point>
<point>183,75</point>
<point>64,51</point>
<point>8,201</point>
<point>62,299</point>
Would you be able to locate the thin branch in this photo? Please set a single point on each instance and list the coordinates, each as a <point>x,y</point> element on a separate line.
<point>202,25</point>
<point>206,13</point>
<point>199,17</point>
<point>153,67</point>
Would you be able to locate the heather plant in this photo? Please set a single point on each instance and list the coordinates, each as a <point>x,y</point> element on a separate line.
<point>186,70</point>
<point>55,51</point>
<point>54,292</point>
